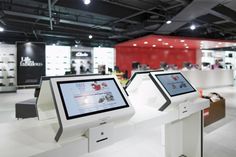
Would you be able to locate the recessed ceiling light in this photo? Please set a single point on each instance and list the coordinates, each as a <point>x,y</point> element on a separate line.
<point>171,46</point>
<point>185,44</point>
<point>90,36</point>
<point>168,22</point>
<point>182,41</point>
<point>1,29</point>
<point>192,27</point>
<point>87,2</point>
<point>186,47</point>
<point>153,45</point>
<point>159,39</point>
<point>76,45</point>
<point>134,44</point>
<point>145,42</point>
<point>219,43</point>
<point>166,43</point>
<point>53,44</point>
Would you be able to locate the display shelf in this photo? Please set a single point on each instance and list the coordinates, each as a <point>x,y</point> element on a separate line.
<point>7,68</point>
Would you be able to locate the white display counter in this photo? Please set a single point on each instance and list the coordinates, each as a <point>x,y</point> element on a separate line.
<point>210,78</point>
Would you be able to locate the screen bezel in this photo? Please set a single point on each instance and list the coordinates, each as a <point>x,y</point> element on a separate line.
<point>90,113</point>
<point>194,90</point>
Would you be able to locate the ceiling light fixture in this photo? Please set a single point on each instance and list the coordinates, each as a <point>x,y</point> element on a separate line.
<point>134,44</point>
<point>192,27</point>
<point>1,29</point>
<point>219,43</point>
<point>87,2</point>
<point>153,45</point>
<point>166,43</point>
<point>145,42</point>
<point>90,36</point>
<point>171,46</point>
<point>168,22</point>
<point>182,41</point>
<point>76,45</point>
<point>160,39</point>
<point>186,47</point>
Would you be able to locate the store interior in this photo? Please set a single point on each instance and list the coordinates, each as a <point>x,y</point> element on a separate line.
<point>101,78</point>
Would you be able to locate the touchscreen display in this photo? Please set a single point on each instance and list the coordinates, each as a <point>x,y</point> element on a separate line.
<point>175,84</point>
<point>86,97</point>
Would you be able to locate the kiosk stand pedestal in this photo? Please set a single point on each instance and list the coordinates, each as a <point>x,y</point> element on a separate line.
<point>182,138</point>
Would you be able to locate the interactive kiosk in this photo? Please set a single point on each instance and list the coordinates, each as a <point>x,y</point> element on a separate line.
<point>90,106</point>
<point>45,103</point>
<point>172,94</point>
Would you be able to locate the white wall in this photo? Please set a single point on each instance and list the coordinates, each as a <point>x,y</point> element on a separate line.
<point>57,60</point>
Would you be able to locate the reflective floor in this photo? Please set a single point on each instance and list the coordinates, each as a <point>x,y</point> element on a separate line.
<point>220,137</point>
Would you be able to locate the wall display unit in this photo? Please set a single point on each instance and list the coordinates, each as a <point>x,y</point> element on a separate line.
<point>104,57</point>
<point>81,60</point>
<point>227,59</point>
<point>85,102</point>
<point>7,68</point>
<point>57,60</point>
<point>30,62</point>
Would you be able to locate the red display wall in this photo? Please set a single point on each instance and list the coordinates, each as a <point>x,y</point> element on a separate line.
<point>152,56</point>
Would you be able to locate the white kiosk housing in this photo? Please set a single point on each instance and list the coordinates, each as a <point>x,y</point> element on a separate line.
<point>171,93</point>
<point>45,103</point>
<point>90,106</point>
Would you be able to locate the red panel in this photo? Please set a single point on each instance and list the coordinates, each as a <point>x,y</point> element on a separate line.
<point>152,56</point>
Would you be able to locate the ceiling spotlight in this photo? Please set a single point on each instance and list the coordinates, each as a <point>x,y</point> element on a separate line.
<point>166,43</point>
<point>219,43</point>
<point>87,2</point>
<point>192,27</point>
<point>90,36</point>
<point>182,41</point>
<point>171,46</point>
<point>153,45</point>
<point>28,43</point>
<point>186,47</point>
<point>76,45</point>
<point>1,29</point>
<point>168,22</point>
<point>160,39</point>
<point>134,44</point>
<point>145,42</point>
<point>53,44</point>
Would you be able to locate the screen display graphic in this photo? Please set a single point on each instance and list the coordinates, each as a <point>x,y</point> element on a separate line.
<point>175,84</point>
<point>86,97</point>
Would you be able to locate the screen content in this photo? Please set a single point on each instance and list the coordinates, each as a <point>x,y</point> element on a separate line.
<point>175,84</point>
<point>81,98</point>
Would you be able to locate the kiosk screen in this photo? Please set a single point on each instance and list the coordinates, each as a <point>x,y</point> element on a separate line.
<point>86,97</point>
<point>175,84</point>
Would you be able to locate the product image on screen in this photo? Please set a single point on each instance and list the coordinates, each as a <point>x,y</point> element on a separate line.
<point>86,97</point>
<point>175,84</point>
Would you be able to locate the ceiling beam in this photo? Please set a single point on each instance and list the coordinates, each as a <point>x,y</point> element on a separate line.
<point>62,21</point>
<point>132,7</point>
<point>50,13</point>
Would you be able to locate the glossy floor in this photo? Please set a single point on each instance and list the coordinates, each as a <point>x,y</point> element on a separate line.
<point>220,138</point>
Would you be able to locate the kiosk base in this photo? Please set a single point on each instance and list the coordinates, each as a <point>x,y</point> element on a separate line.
<point>100,136</point>
<point>183,138</point>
